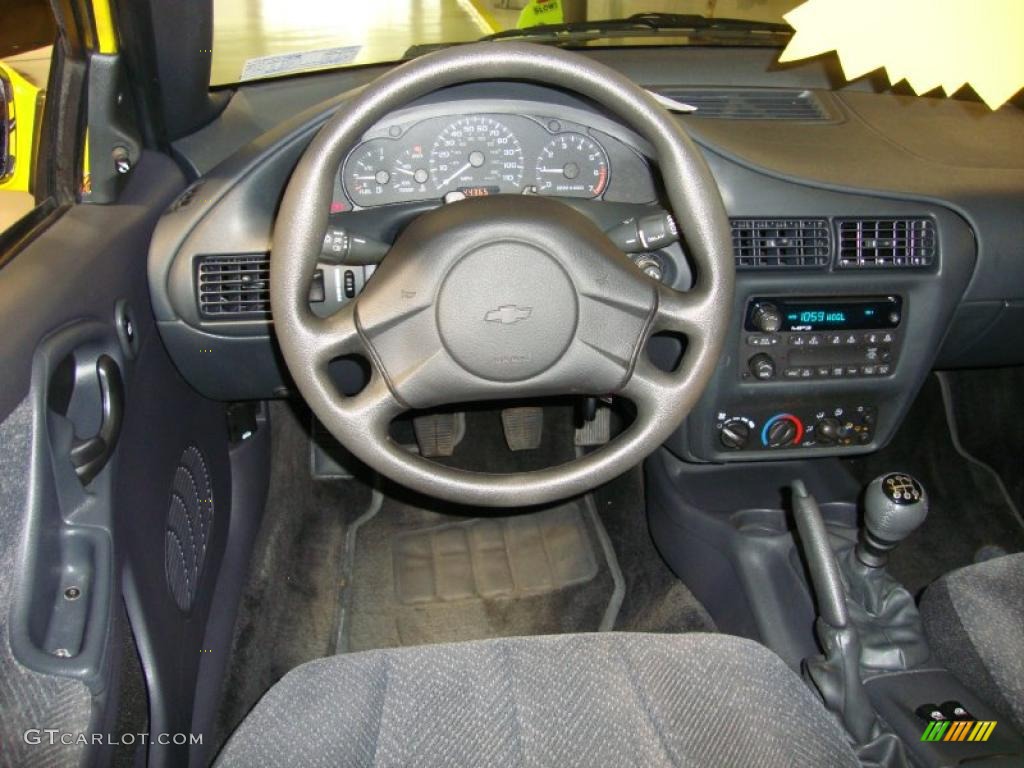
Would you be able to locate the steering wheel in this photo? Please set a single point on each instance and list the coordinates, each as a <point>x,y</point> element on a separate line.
<point>502,297</point>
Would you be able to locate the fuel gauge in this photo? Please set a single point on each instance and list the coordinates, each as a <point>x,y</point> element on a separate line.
<point>366,177</point>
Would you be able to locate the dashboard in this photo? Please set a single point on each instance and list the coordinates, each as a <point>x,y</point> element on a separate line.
<point>416,158</point>
<point>866,253</point>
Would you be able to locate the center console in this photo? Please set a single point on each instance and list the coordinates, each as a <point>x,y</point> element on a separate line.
<point>824,359</point>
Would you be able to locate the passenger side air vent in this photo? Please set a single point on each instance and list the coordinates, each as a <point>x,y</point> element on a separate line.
<point>750,103</point>
<point>886,243</point>
<point>234,286</point>
<point>780,243</point>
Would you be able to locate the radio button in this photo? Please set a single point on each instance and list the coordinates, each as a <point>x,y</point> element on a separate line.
<point>791,373</point>
<point>759,340</point>
<point>887,338</point>
<point>883,370</point>
<point>852,370</point>
<point>850,340</point>
<point>867,370</point>
<point>797,340</point>
<point>823,371</point>
<point>814,340</point>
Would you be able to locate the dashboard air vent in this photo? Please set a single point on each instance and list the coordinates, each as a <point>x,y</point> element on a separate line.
<point>749,103</point>
<point>233,286</point>
<point>780,243</point>
<point>886,243</point>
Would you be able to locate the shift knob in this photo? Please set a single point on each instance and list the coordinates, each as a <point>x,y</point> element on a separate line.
<point>894,506</point>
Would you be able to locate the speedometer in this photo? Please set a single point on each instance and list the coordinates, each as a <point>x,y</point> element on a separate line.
<point>572,165</point>
<point>479,154</point>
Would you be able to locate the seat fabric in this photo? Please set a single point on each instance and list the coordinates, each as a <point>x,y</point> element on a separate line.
<point>612,699</point>
<point>974,620</point>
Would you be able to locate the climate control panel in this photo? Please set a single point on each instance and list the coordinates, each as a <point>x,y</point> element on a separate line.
<point>834,426</point>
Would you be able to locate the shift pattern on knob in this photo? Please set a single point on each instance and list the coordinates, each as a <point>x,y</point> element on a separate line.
<point>894,505</point>
<point>902,489</point>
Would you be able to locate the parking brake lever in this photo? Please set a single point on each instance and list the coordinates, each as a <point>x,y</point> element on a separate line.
<point>836,675</point>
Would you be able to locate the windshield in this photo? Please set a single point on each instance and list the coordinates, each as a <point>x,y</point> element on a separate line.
<point>255,39</point>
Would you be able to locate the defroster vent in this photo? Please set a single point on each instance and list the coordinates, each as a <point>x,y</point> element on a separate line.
<point>780,243</point>
<point>886,243</point>
<point>749,103</point>
<point>234,286</point>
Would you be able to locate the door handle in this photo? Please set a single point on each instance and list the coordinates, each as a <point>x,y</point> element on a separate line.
<point>90,456</point>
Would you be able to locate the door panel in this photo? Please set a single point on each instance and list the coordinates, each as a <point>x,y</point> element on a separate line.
<point>76,390</point>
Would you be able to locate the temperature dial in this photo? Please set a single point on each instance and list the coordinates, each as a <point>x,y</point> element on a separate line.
<point>781,431</point>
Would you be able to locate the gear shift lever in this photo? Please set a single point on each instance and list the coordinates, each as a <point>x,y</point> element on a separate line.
<point>894,506</point>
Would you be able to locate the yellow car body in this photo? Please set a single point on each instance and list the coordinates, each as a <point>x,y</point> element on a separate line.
<point>24,103</point>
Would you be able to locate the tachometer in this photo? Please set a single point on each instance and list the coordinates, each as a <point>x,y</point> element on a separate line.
<point>572,165</point>
<point>366,175</point>
<point>476,153</point>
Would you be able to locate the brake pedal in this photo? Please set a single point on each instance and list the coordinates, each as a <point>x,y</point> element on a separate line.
<point>523,427</point>
<point>596,431</point>
<point>439,433</point>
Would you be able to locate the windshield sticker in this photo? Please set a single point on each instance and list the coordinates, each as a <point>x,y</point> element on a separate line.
<point>301,61</point>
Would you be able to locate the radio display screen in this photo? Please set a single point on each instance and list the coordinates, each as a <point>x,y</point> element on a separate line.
<point>824,314</point>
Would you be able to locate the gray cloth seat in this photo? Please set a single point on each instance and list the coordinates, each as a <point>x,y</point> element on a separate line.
<point>611,699</point>
<point>974,620</point>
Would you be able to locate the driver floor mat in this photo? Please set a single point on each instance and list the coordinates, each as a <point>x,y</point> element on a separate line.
<point>417,576</point>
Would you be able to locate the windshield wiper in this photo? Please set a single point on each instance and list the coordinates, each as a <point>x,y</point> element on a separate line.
<point>646,24</point>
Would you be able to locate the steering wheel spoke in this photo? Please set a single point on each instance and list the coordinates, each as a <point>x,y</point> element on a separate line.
<point>692,313</point>
<point>335,336</point>
<point>648,387</point>
<point>374,408</point>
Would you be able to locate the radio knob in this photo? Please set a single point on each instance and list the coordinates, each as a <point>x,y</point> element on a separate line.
<point>735,434</point>
<point>762,367</point>
<point>767,318</point>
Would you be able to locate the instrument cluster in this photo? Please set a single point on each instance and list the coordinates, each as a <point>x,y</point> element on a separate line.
<point>482,154</point>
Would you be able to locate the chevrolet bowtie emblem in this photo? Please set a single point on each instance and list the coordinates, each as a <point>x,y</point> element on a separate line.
<point>508,314</point>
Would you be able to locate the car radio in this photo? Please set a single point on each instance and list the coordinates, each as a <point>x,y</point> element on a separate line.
<point>814,338</point>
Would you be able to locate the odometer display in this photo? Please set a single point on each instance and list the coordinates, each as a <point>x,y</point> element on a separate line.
<point>475,152</point>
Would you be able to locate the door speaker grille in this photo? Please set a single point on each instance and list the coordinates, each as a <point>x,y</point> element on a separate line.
<point>189,522</point>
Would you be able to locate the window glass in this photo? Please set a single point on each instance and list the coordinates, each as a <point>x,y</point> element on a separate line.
<point>27,33</point>
<point>254,39</point>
